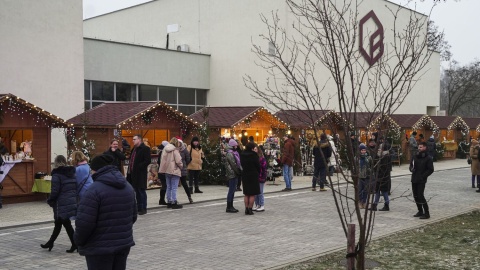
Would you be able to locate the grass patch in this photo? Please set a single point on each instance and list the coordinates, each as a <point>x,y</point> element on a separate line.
<point>448,244</point>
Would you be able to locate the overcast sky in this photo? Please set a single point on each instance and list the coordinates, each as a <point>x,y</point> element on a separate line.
<point>459,19</point>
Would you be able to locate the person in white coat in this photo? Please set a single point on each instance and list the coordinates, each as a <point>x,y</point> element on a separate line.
<point>332,163</point>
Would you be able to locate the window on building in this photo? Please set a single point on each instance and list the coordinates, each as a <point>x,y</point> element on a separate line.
<point>87,105</point>
<point>86,90</point>
<point>201,97</point>
<point>125,92</point>
<point>102,91</point>
<point>147,93</point>
<point>187,110</point>
<point>186,96</point>
<point>167,94</point>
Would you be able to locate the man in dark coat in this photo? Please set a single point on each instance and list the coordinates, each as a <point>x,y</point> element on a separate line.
<point>288,155</point>
<point>105,217</point>
<point>421,167</point>
<point>319,163</point>
<point>137,172</point>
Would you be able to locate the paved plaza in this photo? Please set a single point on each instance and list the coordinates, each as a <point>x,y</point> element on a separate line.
<point>296,225</point>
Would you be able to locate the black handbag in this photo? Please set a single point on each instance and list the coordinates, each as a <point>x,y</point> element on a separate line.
<point>469,160</point>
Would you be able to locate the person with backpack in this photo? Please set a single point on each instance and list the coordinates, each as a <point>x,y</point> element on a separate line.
<point>321,152</point>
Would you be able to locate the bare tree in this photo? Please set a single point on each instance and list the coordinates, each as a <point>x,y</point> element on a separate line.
<point>318,63</point>
<point>460,89</point>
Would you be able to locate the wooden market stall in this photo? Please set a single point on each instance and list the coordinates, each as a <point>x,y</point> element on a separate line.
<point>421,123</point>
<point>302,123</point>
<point>474,124</point>
<point>155,121</point>
<point>241,122</point>
<point>25,131</point>
<point>387,127</point>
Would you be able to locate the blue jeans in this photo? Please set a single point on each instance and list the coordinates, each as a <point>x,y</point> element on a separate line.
<point>260,198</point>
<point>385,197</point>
<point>232,186</point>
<point>172,186</point>
<point>118,260</point>
<point>141,195</point>
<point>286,176</point>
<point>363,189</point>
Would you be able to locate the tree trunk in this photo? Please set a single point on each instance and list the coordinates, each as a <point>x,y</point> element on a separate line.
<point>351,247</point>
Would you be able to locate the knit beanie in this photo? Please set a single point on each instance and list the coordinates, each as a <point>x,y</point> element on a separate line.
<point>362,146</point>
<point>232,143</point>
<point>195,139</point>
<point>101,161</point>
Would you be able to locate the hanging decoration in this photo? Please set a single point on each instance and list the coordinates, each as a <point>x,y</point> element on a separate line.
<point>458,123</point>
<point>426,121</point>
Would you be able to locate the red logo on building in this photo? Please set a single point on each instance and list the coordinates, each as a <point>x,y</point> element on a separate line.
<point>375,45</point>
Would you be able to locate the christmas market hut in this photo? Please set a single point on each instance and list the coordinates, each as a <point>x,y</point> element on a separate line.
<point>360,122</point>
<point>301,123</point>
<point>474,124</point>
<point>421,123</point>
<point>92,131</point>
<point>25,132</point>
<point>454,132</point>
<point>241,122</point>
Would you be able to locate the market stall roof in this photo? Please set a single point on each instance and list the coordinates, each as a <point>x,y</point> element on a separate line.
<point>450,122</point>
<point>472,122</point>
<point>375,125</point>
<point>301,119</point>
<point>221,117</point>
<point>414,121</point>
<point>363,119</point>
<point>124,114</point>
<point>16,103</point>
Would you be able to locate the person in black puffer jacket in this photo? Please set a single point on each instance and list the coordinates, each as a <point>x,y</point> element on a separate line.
<point>421,167</point>
<point>105,217</point>
<point>63,200</point>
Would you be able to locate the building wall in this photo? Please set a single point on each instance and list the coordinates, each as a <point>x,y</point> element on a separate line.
<point>226,30</point>
<point>116,62</point>
<point>41,56</point>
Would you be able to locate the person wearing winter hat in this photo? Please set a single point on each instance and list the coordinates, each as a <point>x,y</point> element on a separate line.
<point>233,169</point>
<point>364,174</point>
<point>474,166</point>
<point>195,166</point>
<point>171,165</point>
<point>105,217</point>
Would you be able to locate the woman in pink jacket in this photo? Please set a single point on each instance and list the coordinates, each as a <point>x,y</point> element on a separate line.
<point>171,165</point>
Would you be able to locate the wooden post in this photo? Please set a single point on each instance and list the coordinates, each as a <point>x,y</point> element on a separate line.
<point>351,247</point>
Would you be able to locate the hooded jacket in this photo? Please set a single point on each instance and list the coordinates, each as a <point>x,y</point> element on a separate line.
<point>171,162</point>
<point>319,160</point>
<point>63,197</point>
<point>232,168</point>
<point>196,155</point>
<point>106,214</point>
<point>421,167</point>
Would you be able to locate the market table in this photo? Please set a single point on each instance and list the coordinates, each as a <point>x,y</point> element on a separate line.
<point>42,186</point>
<point>450,149</point>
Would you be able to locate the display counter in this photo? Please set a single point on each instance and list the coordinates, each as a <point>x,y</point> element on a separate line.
<point>17,177</point>
<point>42,186</point>
<point>450,150</point>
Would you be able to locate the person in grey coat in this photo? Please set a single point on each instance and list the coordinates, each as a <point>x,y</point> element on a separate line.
<point>63,200</point>
<point>185,155</point>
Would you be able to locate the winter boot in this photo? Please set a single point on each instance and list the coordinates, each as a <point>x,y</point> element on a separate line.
<point>374,207</point>
<point>55,233</point>
<point>230,208</point>
<point>420,211</point>
<point>191,190</point>
<point>473,181</point>
<point>175,205</point>
<point>197,190</point>
<point>385,207</point>
<point>162,197</point>
<point>426,215</point>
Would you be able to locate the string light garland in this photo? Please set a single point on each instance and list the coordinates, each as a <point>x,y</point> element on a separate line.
<point>460,124</point>
<point>426,121</point>
<point>18,107</point>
